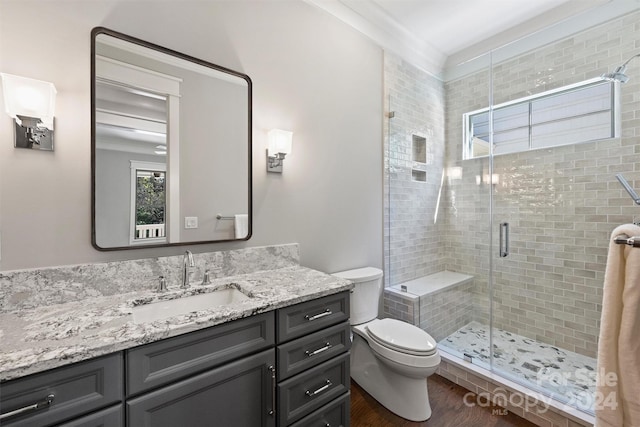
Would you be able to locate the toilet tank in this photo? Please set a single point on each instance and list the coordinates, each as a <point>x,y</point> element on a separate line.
<point>365,296</point>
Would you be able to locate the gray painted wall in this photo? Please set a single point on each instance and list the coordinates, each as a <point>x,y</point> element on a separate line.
<point>213,160</point>
<point>312,74</point>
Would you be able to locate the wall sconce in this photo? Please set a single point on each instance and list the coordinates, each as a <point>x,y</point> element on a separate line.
<point>279,146</point>
<point>31,104</point>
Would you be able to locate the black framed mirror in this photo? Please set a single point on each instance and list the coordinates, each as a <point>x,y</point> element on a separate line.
<point>170,147</point>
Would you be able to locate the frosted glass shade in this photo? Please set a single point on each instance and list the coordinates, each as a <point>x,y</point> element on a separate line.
<point>29,97</point>
<point>279,141</point>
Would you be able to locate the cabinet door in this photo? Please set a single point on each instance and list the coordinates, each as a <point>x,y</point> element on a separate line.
<point>75,390</point>
<point>110,417</point>
<point>164,362</point>
<point>238,394</point>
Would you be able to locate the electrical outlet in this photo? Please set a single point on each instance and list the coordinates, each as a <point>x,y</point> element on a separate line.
<point>190,222</point>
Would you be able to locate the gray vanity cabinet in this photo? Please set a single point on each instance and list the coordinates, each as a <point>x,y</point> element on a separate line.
<point>334,414</point>
<point>65,393</point>
<point>288,367</point>
<point>110,417</point>
<point>162,362</point>
<point>302,319</point>
<point>313,362</point>
<point>306,352</point>
<point>219,376</point>
<point>238,394</point>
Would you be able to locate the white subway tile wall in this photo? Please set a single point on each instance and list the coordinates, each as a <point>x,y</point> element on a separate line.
<point>401,307</point>
<point>411,235</point>
<point>511,399</point>
<point>439,313</point>
<point>444,312</point>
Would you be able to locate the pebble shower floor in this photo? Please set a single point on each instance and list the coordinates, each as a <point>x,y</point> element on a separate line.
<point>566,376</point>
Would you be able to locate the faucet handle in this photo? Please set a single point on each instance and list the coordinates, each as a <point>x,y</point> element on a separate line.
<point>162,284</point>
<point>206,280</point>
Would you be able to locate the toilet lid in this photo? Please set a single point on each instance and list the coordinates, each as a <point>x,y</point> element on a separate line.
<point>402,337</point>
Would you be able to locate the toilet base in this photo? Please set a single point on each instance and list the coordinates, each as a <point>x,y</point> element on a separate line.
<point>404,396</point>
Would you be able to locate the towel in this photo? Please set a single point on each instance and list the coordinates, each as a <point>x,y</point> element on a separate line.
<point>617,401</point>
<point>242,226</point>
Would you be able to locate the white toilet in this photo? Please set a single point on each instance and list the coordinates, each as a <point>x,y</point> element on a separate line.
<point>390,359</point>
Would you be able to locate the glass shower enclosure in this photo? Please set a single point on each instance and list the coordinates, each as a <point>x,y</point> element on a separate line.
<point>500,198</point>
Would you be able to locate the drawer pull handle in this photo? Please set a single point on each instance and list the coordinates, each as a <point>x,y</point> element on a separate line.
<point>327,312</point>
<point>46,402</point>
<point>320,390</point>
<point>326,347</point>
<point>272,369</point>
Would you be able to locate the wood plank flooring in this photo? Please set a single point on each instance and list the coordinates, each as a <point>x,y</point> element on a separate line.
<point>446,403</point>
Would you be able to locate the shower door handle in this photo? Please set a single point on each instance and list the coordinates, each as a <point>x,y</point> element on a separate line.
<point>504,239</point>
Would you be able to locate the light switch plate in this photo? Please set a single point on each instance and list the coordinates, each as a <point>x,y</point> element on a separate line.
<point>190,222</point>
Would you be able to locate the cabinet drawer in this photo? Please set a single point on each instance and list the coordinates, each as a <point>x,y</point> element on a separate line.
<point>306,352</point>
<point>308,391</point>
<point>334,414</point>
<point>310,316</point>
<point>110,417</point>
<point>238,394</point>
<point>162,362</point>
<point>77,389</point>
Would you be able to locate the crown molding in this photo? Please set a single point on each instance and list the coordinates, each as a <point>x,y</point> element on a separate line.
<point>573,17</point>
<point>372,21</point>
<point>569,18</point>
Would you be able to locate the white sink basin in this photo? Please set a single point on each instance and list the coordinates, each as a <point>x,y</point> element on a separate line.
<point>209,301</point>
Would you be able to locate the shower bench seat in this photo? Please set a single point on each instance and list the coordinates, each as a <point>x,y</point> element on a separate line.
<point>439,303</point>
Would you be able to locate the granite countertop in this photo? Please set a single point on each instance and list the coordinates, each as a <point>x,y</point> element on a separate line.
<point>49,336</point>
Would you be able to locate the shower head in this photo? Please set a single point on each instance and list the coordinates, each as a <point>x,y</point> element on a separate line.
<point>618,74</point>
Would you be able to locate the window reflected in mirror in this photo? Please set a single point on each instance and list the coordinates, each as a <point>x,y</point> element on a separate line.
<point>149,204</point>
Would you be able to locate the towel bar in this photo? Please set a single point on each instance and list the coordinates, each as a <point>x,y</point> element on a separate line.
<point>225,217</point>
<point>626,240</point>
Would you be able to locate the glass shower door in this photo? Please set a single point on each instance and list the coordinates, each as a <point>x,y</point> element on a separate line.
<point>436,214</point>
<point>465,208</point>
<point>556,153</point>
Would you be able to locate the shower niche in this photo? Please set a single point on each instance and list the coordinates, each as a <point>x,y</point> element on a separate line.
<point>418,158</point>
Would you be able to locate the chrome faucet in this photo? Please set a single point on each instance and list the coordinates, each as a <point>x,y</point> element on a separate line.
<point>187,262</point>
<point>162,284</point>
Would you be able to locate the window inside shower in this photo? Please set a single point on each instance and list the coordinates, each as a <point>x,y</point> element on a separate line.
<point>582,112</point>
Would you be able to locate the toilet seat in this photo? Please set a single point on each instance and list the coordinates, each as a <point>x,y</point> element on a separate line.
<point>411,364</point>
<point>401,337</point>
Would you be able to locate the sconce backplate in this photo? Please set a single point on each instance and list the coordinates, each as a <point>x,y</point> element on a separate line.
<point>33,138</point>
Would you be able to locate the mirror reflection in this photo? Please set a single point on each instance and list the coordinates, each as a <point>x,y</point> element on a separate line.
<point>171,147</point>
